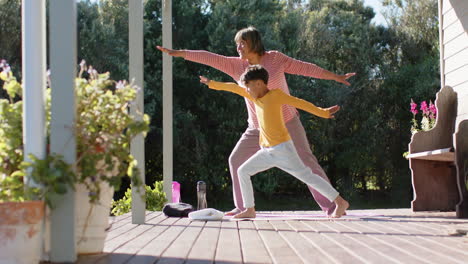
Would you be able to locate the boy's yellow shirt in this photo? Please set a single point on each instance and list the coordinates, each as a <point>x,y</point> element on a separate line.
<point>273,130</point>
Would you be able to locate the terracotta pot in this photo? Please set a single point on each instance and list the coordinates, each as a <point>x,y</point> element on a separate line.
<point>21,231</point>
<point>92,219</point>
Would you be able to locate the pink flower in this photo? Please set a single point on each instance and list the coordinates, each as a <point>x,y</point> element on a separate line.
<point>432,110</point>
<point>414,107</point>
<point>424,108</point>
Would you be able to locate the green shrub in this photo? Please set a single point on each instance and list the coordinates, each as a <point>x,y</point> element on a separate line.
<point>155,200</point>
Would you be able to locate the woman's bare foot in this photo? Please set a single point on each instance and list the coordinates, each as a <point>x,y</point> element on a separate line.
<point>330,211</point>
<point>233,212</point>
<point>247,213</point>
<point>341,207</point>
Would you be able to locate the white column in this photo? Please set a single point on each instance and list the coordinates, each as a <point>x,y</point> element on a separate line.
<point>167,99</point>
<point>441,44</point>
<point>34,78</point>
<point>135,16</point>
<point>33,16</point>
<point>63,53</point>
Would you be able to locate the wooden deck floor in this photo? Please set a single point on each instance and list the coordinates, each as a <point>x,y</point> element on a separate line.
<point>393,236</point>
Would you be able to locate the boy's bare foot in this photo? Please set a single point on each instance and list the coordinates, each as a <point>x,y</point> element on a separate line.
<point>247,213</point>
<point>233,212</point>
<point>341,207</point>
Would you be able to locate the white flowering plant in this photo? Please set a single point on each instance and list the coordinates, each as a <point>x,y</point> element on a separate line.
<point>104,129</point>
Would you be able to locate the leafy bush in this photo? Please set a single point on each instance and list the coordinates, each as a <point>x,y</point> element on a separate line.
<point>52,174</point>
<point>104,129</point>
<point>155,200</point>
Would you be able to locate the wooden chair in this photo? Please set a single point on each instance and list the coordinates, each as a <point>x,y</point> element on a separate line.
<point>432,159</point>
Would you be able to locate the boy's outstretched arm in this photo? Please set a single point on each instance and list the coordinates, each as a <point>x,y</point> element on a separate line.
<point>224,86</point>
<point>309,107</point>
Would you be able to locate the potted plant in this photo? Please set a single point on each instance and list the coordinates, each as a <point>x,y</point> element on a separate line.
<point>22,209</point>
<point>104,129</point>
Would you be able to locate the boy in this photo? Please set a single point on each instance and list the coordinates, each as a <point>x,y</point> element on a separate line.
<point>277,148</point>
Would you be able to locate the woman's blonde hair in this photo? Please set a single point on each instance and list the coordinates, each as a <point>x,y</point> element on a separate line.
<point>252,37</point>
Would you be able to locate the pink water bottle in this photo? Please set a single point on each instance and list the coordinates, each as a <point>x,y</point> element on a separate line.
<point>175,192</point>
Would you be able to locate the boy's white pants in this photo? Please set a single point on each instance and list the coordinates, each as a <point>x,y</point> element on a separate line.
<point>285,157</point>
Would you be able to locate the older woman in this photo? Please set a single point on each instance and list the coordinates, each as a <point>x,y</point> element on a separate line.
<point>251,51</point>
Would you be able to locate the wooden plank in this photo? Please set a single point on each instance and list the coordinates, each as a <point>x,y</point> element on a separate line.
<point>119,218</point>
<point>123,230</point>
<point>446,6</point>
<point>446,155</point>
<point>129,245</point>
<point>459,75</point>
<point>368,248</point>
<point>293,234</point>
<point>229,249</point>
<point>453,31</point>
<point>178,251</point>
<point>152,251</point>
<point>310,250</point>
<point>253,249</point>
<point>456,61</point>
<point>387,243</point>
<point>132,245</point>
<point>463,106</point>
<point>455,45</point>
<point>450,17</point>
<point>138,230</point>
<point>462,92</point>
<point>204,248</point>
<point>423,248</point>
<point>439,238</point>
<point>277,247</point>
<point>116,222</point>
<point>454,14</point>
<point>348,244</point>
<point>337,246</point>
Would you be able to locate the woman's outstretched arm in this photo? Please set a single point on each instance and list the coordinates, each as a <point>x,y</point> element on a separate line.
<point>232,66</point>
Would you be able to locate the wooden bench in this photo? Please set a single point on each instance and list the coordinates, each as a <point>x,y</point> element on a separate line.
<point>438,160</point>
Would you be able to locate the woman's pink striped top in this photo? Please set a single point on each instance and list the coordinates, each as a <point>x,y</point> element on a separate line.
<point>275,62</point>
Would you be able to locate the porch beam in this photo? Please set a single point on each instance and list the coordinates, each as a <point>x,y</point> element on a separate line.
<point>167,99</point>
<point>136,68</point>
<point>34,79</point>
<point>63,56</point>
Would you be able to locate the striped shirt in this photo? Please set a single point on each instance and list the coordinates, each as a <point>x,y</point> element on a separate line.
<point>275,62</point>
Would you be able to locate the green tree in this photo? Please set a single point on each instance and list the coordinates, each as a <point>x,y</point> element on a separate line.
<point>103,36</point>
<point>10,35</point>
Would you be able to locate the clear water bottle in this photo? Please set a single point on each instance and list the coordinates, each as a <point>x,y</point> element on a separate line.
<point>201,194</point>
